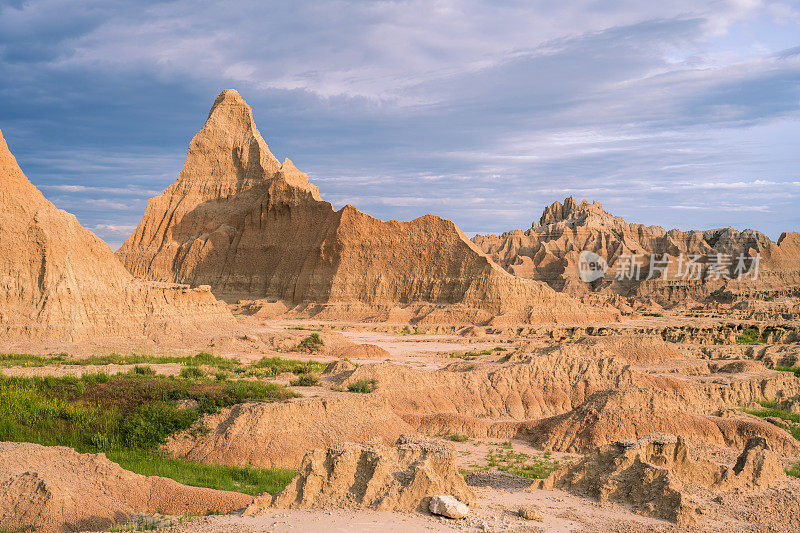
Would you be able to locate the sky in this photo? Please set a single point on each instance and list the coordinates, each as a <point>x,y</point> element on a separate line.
<point>681,114</point>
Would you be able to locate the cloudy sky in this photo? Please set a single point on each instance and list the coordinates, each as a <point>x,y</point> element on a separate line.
<point>683,113</point>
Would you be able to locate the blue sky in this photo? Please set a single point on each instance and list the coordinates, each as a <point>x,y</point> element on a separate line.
<point>683,114</point>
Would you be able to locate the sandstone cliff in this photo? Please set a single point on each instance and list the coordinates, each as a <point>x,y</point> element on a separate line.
<point>251,227</point>
<point>549,251</point>
<point>59,281</point>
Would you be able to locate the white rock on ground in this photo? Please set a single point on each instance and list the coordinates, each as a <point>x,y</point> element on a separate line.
<point>448,506</point>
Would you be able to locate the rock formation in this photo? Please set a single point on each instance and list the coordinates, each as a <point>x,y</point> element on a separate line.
<point>254,228</point>
<point>55,489</point>
<point>279,434</point>
<point>399,478</point>
<point>656,474</point>
<point>550,251</point>
<point>59,281</point>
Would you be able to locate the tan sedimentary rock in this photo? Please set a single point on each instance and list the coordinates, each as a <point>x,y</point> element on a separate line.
<point>630,413</point>
<point>57,489</point>
<point>657,474</point>
<point>279,434</point>
<point>254,228</point>
<point>549,251</point>
<point>398,478</point>
<point>59,281</point>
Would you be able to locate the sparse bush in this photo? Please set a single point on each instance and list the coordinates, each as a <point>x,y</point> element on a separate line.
<point>456,437</point>
<point>750,336</point>
<point>364,386</point>
<point>192,372</point>
<point>144,370</point>
<point>221,375</point>
<point>311,344</point>
<point>272,366</point>
<point>305,380</point>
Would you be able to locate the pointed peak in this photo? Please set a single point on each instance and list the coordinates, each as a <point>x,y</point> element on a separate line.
<point>230,104</point>
<point>288,166</point>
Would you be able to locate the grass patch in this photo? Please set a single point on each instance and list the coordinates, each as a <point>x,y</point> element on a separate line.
<point>126,416</point>
<point>272,366</point>
<point>794,470</point>
<point>794,369</point>
<point>469,356</point>
<point>456,437</point>
<point>192,372</point>
<point>311,344</point>
<point>750,336</point>
<point>654,314</point>
<point>202,358</point>
<point>253,481</point>
<point>522,464</point>
<point>364,386</point>
<point>770,411</point>
<point>305,380</point>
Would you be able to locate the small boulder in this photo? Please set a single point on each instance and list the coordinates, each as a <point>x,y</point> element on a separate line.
<point>448,506</point>
<point>530,512</point>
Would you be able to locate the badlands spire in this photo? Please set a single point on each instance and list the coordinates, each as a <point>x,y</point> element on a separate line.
<point>252,228</point>
<point>61,282</point>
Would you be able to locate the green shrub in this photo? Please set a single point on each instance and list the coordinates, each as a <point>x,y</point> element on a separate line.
<point>192,372</point>
<point>750,336</point>
<point>364,386</point>
<point>311,344</point>
<point>305,380</point>
<point>455,437</point>
<point>272,366</point>
<point>144,370</point>
<point>221,375</point>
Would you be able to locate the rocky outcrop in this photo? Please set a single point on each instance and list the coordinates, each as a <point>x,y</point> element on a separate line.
<point>400,478</point>
<point>59,281</point>
<point>55,489</point>
<point>550,252</point>
<point>279,434</point>
<point>657,474</point>
<point>630,413</point>
<point>254,228</point>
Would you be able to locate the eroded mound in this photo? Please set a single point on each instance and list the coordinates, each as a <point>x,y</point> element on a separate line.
<point>609,415</point>
<point>279,434</point>
<point>58,489</point>
<point>657,474</point>
<point>399,478</point>
<point>362,351</point>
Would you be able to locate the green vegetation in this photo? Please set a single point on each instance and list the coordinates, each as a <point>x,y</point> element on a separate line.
<point>750,336</point>
<point>311,344</point>
<point>272,366</point>
<point>654,314</point>
<point>128,416</point>
<point>456,437</point>
<point>771,412</point>
<point>202,358</point>
<point>794,470</point>
<point>249,480</point>
<point>507,460</point>
<point>364,386</point>
<point>144,370</point>
<point>192,372</point>
<point>469,356</point>
<point>305,380</point>
<point>793,369</point>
